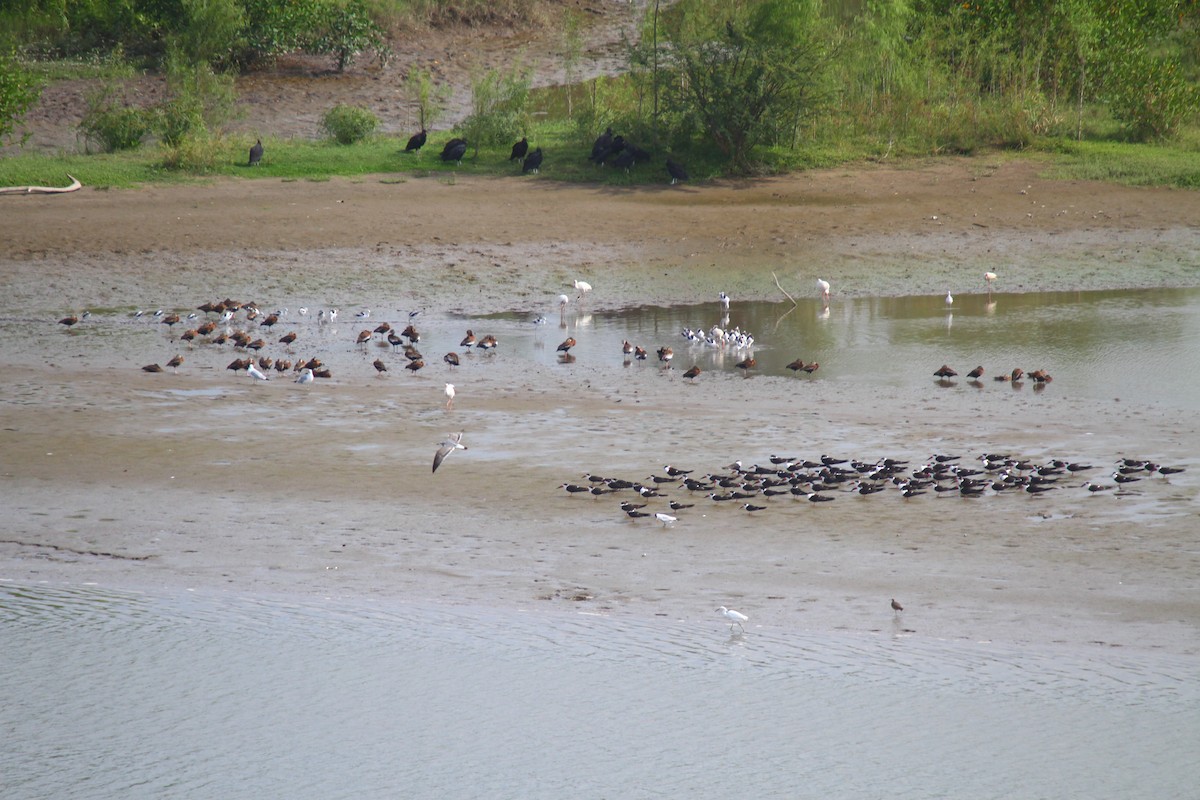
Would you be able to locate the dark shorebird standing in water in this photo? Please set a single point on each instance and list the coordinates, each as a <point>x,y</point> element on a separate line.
<point>676,171</point>
<point>639,353</point>
<point>944,372</point>
<point>532,162</point>
<point>692,373</point>
<point>665,354</point>
<point>976,373</point>
<point>626,349</point>
<point>566,346</point>
<point>256,153</point>
<point>453,442</point>
<point>380,367</point>
<point>746,365</point>
<point>416,142</point>
<point>896,607</point>
<point>519,150</point>
<point>451,359</point>
<point>152,368</point>
<point>174,363</point>
<point>413,366</point>
<point>468,340</point>
<point>69,321</point>
<point>363,337</point>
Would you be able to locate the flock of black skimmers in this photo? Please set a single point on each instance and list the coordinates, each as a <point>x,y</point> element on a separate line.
<point>675,492</point>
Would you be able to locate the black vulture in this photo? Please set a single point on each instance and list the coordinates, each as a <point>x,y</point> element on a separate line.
<point>624,160</point>
<point>256,153</point>
<point>639,155</point>
<point>454,150</point>
<point>601,144</point>
<point>533,161</point>
<point>614,147</point>
<point>519,150</point>
<point>676,171</point>
<point>415,142</point>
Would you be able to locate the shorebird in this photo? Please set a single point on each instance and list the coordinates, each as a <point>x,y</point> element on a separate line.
<point>583,287</point>
<point>566,346</point>
<point>896,606</point>
<point>639,353</point>
<point>152,368</point>
<point>468,340</point>
<point>453,442</point>
<point>976,373</point>
<point>415,365</point>
<point>488,343</point>
<point>363,337</point>
<point>949,298</point>
<point>254,372</point>
<point>562,303</point>
<point>944,372</point>
<point>175,362</point>
<point>626,348</point>
<point>988,277</point>
<point>665,519</point>
<point>380,367</point>
<point>747,364</point>
<point>449,395</point>
<point>724,300</point>
<point>692,373</point>
<point>451,359</point>
<point>734,617</point>
<point>306,376</point>
<point>69,321</point>
<point>287,338</point>
<point>823,285</point>
<point>665,354</point>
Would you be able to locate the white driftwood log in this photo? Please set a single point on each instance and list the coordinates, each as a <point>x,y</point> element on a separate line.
<point>75,184</point>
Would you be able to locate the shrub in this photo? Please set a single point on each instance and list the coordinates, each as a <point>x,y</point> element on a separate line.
<point>111,124</point>
<point>18,91</point>
<point>199,152</point>
<point>349,124</point>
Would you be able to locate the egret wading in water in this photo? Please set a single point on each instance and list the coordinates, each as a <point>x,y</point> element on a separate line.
<point>823,285</point>
<point>449,395</point>
<point>583,287</point>
<point>949,298</point>
<point>734,617</point>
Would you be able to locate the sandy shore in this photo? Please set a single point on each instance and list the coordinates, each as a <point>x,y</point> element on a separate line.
<point>199,479</point>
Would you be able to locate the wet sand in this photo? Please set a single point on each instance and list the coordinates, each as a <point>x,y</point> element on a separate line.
<point>203,480</point>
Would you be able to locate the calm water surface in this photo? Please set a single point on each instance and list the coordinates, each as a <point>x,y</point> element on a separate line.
<point>1142,346</point>
<point>123,695</point>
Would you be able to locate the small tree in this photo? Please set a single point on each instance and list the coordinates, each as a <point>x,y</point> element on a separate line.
<point>498,103</point>
<point>429,97</point>
<point>19,90</point>
<point>744,74</point>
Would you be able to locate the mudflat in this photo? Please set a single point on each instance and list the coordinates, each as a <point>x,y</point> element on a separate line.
<point>200,478</point>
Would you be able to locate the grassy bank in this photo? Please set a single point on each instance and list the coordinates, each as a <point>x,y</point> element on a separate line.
<point>1176,164</point>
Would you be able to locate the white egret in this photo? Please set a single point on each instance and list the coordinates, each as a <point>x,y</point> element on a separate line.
<point>824,286</point>
<point>665,519</point>
<point>583,287</point>
<point>734,617</point>
<point>724,301</point>
<point>449,395</point>
<point>949,298</point>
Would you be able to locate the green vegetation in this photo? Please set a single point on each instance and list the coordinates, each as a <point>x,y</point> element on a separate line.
<point>349,124</point>
<point>19,90</point>
<point>1099,89</point>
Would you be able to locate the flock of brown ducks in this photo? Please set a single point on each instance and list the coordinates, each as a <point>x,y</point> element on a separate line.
<point>785,479</point>
<point>1039,376</point>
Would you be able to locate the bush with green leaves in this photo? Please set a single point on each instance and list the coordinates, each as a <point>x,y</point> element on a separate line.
<point>19,90</point>
<point>499,111</point>
<point>349,124</point>
<point>112,124</point>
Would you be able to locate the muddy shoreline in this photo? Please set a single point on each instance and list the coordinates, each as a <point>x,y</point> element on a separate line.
<point>200,479</point>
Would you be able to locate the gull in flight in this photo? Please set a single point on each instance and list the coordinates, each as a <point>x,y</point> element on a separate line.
<point>452,443</point>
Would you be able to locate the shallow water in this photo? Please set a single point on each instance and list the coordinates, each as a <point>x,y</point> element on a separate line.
<point>112,694</point>
<point>1136,345</point>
